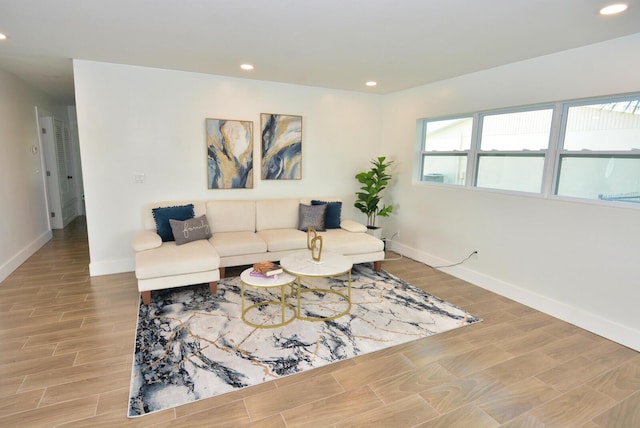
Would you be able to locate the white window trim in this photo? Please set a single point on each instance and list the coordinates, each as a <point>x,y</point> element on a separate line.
<point>552,155</point>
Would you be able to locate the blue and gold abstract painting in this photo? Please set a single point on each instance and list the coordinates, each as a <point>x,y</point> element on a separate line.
<point>229,154</point>
<point>281,146</point>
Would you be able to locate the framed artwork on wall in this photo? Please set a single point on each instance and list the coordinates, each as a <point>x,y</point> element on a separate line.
<point>229,154</point>
<point>281,150</point>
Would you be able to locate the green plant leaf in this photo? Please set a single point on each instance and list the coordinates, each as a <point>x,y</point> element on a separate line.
<point>373,181</point>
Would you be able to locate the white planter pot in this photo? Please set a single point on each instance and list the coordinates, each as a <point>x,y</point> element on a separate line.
<point>377,232</point>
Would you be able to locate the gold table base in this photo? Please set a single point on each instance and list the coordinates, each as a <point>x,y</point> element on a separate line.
<point>347,297</point>
<point>284,305</point>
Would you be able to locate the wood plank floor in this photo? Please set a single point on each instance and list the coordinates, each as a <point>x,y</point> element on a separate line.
<point>66,343</point>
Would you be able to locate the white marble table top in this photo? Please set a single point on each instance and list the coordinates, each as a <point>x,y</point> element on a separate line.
<point>330,264</point>
<point>270,281</point>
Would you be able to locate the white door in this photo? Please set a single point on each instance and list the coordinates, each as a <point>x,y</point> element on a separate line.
<point>64,161</point>
<point>47,144</point>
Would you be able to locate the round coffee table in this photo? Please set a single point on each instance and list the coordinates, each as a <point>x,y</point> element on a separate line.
<point>281,281</point>
<point>330,265</point>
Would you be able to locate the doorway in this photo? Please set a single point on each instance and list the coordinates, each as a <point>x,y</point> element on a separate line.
<point>62,185</point>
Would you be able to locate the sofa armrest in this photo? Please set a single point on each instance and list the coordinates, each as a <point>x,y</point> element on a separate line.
<point>352,226</point>
<point>145,240</point>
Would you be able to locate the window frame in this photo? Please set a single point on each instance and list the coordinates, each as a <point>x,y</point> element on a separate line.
<point>544,153</point>
<point>553,155</point>
<point>423,153</point>
<point>561,153</point>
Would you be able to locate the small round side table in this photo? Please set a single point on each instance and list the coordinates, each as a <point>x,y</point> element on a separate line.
<point>301,265</point>
<point>281,281</point>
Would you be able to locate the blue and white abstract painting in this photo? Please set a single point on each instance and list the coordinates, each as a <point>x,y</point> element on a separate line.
<point>281,146</point>
<point>229,154</point>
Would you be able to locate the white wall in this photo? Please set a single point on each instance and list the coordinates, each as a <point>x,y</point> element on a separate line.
<point>144,120</point>
<point>24,225</point>
<point>576,261</point>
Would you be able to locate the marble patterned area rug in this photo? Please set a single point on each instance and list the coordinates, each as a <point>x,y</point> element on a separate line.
<point>191,345</point>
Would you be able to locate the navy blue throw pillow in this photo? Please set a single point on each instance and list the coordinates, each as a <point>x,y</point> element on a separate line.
<point>163,215</point>
<point>332,215</point>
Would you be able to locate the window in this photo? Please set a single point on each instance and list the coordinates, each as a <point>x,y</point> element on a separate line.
<point>446,144</point>
<point>600,155</point>
<point>512,151</point>
<point>586,149</point>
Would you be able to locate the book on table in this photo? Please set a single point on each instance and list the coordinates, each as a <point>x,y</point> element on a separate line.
<point>267,268</point>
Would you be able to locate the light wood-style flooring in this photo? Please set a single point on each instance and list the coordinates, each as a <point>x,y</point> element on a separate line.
<point>66,345</point>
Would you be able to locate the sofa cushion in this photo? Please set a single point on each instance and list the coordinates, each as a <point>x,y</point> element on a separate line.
<point>170,259</point>
<point>238,243</point>
<point>276,214</point>
<point>232,216</point>
<point>332,215</point>
<point>190,230</point>
<point>162,215</point>
<point>284,239</point>
<point>149,222</point>
<point>311,216</point>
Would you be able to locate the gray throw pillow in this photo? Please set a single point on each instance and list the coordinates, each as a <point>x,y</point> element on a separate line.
<point>311,216</point>
<point>190,230</point>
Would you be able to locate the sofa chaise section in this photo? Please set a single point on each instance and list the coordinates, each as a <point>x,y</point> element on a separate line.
<point>160,265</point>
<point>169,266</point>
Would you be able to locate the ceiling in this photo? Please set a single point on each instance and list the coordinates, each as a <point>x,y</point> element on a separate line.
<point>337,44</point>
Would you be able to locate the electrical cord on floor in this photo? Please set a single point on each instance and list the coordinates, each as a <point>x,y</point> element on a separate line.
<point>433,267</point>
<point>454,264</point>
<point>385,250</point>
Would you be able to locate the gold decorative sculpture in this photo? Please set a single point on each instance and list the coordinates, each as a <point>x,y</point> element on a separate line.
<point>314,243</point>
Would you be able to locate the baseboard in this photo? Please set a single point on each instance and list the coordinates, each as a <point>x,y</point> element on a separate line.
<point>14,262</point>
<point>589,321</point>
<point>111,267</point>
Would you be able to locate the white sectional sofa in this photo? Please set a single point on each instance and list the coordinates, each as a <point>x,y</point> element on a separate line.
<point>242,232</point>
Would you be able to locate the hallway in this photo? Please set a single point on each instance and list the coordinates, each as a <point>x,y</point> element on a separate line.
<point>66,338</point>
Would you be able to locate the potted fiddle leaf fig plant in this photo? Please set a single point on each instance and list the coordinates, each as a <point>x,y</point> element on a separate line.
<point>369,198</point>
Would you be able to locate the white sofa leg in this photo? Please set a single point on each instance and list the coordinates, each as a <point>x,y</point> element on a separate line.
<point>213,287</point>
<point>377,265</point>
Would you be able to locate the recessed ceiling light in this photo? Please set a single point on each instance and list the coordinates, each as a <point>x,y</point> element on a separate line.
<point>372,83</point>
<point>246,67</point>
<point>612,9</point>
<point>3,36</point>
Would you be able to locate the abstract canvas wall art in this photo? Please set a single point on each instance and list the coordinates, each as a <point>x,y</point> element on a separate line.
<point>229,154</point>
<point>281,149</point>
